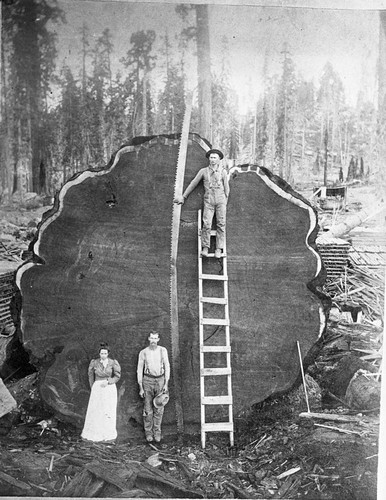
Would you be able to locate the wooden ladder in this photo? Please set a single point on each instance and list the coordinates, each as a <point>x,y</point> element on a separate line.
<point>226,371</point>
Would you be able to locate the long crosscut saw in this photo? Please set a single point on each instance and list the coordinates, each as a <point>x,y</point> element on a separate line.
<point>174,328</point>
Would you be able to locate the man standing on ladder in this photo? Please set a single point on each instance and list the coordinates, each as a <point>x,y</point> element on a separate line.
<point>216,187</point>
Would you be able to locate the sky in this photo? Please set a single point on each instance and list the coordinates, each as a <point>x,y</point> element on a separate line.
<point>346,38</point>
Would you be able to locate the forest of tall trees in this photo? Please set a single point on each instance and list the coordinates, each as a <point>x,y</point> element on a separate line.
<point>55,121</point>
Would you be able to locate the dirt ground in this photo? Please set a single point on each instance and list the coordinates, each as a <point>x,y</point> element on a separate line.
<point>279,452</point>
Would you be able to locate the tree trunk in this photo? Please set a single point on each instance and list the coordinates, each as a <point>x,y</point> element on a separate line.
<point>273,115</point>
<point>144,104</point>
<point>204,72</point>
<point>31,146</point>
<point>381,128</point>
<point>325,155</point>
<point>382,64</point>
<point>303,165</point>
<point>6,155</point>
<point>1,64</point>
<point>34,101</point>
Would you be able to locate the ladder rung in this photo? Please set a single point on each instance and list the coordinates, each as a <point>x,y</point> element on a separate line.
<point>216,400</point>
<point>212,255</point>
<point>205,372</point>
<point>217,427</point>
<point>213,277</point>
<point>214,300</point>
<point>214,321</point>
<point>213,232</point>
<point>216,348</point>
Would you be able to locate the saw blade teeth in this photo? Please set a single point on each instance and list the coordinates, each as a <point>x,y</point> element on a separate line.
<point>176,212</point>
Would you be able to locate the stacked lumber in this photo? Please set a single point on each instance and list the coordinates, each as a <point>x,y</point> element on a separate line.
<point>7,290</point>
<point>334,253</point>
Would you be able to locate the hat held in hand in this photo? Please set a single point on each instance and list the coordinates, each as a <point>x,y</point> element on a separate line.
<point>161,399</point>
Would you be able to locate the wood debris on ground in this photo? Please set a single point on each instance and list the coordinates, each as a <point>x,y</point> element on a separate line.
<point>362,287</point>
<point>279,454</point>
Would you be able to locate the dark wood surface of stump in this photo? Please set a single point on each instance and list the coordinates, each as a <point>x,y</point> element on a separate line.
<point>270,265</point>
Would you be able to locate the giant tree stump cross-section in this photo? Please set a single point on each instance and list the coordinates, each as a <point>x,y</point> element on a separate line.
<point>101,273</point>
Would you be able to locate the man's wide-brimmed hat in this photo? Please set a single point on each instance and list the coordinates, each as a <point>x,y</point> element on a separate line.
<point>217,151</point>
<point>161,399</point>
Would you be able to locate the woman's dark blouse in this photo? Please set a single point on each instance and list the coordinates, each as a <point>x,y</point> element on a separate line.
<point>96,371</point>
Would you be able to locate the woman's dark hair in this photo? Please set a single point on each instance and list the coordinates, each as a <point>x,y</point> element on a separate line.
<point>103,345</point>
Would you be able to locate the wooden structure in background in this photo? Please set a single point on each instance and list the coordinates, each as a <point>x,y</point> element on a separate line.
<point>101,272</point>
<point>331,198</point>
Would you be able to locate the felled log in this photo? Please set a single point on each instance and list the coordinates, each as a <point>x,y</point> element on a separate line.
<point>363,391</point>
<point>337,379</point>
<point>351,221</point>
<point>26,395</point>
<point>101,271</point>
<point>7,401</point>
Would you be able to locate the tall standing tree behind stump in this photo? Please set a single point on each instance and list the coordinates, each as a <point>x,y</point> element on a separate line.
<point>102,273</point>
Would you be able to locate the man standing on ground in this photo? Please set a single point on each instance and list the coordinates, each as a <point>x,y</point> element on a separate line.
<point>153,374</point>
<point>216,194</point>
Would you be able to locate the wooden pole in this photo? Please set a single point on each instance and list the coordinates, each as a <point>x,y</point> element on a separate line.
<point>303,376</point>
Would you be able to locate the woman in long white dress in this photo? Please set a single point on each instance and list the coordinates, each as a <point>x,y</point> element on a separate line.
<point>101,417</point>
